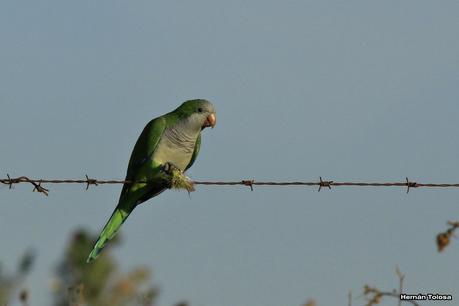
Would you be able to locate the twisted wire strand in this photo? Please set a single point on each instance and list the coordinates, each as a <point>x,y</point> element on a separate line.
<point>37,183</point>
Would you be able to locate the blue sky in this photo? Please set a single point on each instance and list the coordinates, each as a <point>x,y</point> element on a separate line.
<point>346,90</point>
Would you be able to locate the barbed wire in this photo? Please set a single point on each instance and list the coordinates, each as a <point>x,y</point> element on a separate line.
<point>442,240</point>
<point>37,183</point>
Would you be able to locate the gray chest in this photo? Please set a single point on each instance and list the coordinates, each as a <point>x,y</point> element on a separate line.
<point>176,146</point>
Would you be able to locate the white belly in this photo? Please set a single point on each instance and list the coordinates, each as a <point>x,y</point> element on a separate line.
<point>178,154</point>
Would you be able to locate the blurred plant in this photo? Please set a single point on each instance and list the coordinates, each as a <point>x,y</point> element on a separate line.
<point>24,297</point>
<point>374,295</point>
<point>99,283</point>
<point>9,283</point>
<point>311,302</point>
<point>443,239</point>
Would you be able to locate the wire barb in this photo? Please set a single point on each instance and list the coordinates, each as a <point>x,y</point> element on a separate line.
<point>323,183</point>
<point>90,181</point>
<point>248,183</point>
<point>10,181</point>
<point>36,184</point>
<point>39,188</point>
<point>410,185</point>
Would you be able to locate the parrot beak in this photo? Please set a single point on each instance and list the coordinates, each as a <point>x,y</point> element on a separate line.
<point>211,121</point>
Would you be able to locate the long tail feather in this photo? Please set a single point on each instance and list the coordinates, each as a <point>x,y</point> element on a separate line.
<point>109,231</point>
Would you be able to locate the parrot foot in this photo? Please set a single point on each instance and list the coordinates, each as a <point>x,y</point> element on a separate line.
<point>170,168</point>
<point>177,179</point>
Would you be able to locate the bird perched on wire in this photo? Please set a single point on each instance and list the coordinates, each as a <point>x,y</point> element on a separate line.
<point>166,148</point>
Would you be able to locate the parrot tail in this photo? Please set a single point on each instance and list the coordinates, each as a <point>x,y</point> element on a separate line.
<point>109,231</point>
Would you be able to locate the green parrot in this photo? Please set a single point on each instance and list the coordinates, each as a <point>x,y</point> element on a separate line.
<point>167,143</point>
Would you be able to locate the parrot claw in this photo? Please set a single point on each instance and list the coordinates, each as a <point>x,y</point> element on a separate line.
<point>169,168</point>
<point>176,178</point>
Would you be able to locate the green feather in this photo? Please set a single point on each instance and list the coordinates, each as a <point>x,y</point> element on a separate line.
<point>108,232</point>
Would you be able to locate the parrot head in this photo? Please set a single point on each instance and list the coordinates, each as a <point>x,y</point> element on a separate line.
<point>200,113</point>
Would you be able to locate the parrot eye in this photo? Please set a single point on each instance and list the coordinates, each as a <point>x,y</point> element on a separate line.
<point>200,110</point>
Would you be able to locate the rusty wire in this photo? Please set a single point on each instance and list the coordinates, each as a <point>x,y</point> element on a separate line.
<point>37,183</point>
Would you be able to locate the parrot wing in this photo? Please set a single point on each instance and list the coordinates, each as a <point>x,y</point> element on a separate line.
<point>141,168</point>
